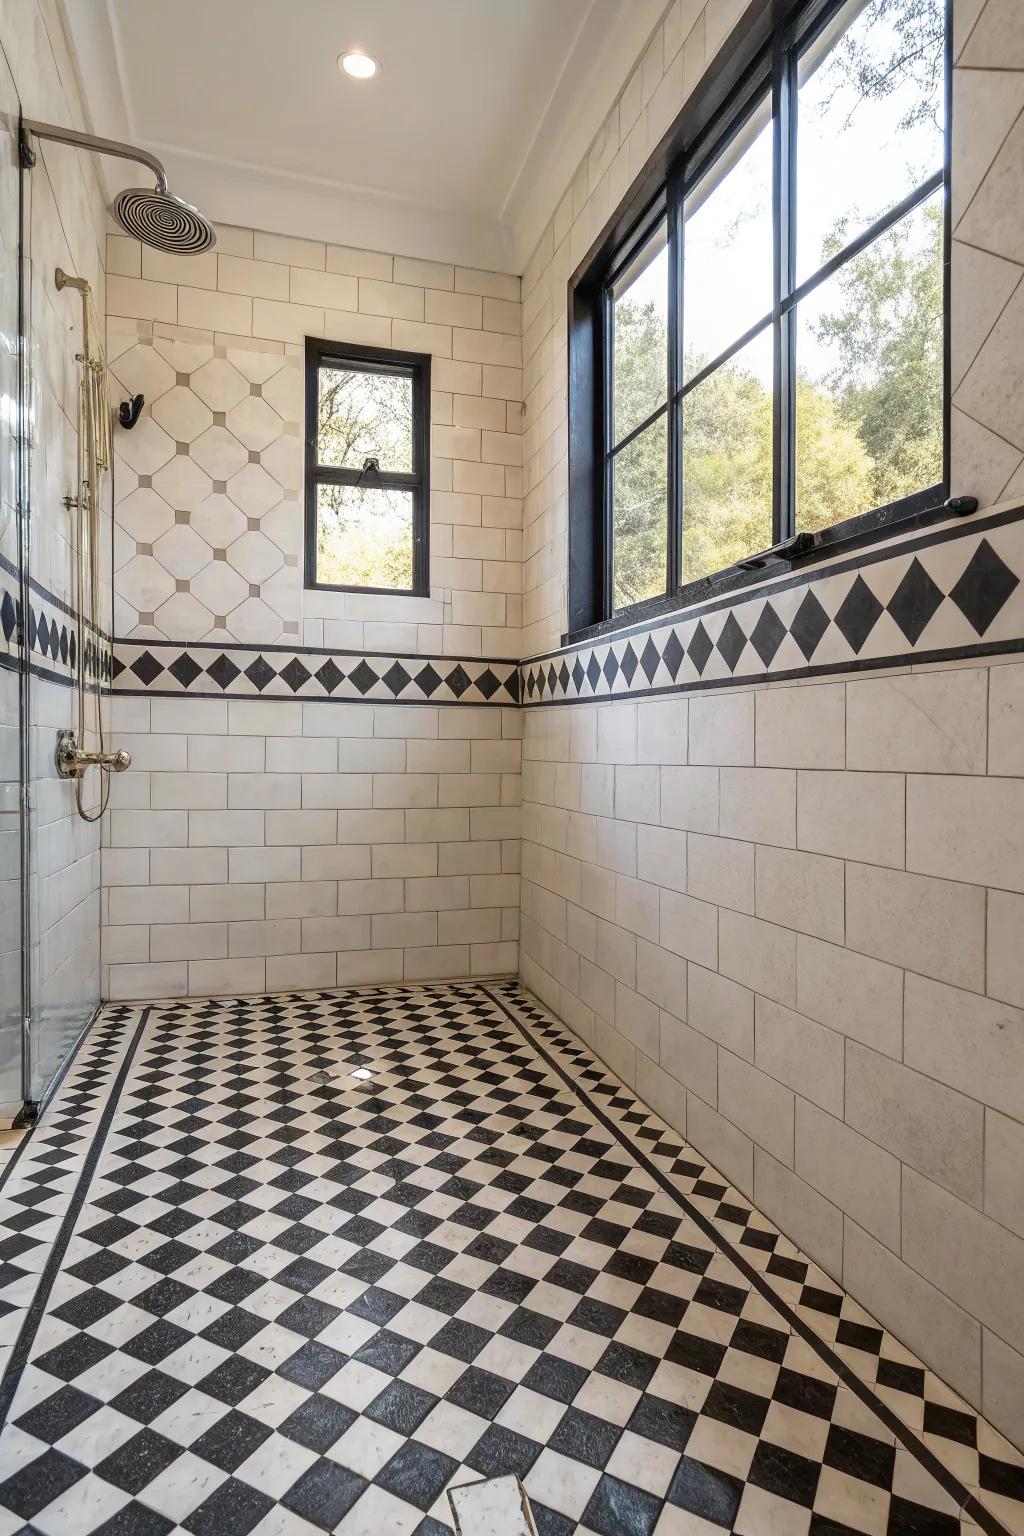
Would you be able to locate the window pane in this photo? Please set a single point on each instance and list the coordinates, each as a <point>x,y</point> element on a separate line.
<point>363,537</point>
<point>640,339</point>
<point>869,390</point>
<point>364,415</point>
<point>640,517</point>
<point>727,462</point>
<point>871,120</point>
<point>727,252</point>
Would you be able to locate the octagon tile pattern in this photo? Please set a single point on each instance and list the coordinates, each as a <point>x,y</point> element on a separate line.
<point>208,460</point>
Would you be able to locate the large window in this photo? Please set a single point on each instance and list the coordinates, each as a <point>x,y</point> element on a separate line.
<point>759,349</point>
<point>367,460</point>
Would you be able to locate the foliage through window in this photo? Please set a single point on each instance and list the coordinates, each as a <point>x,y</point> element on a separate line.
<point>367,459</point>
<point>772,333</point>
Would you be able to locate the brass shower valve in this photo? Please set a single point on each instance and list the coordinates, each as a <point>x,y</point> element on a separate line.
<point>71,760</point>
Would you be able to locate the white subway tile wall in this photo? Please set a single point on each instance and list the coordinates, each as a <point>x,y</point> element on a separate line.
<point>263,845</point>
<point>812,972</point>
<point>209,511</point>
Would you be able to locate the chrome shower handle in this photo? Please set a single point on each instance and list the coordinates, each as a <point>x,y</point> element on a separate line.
<point>72,760</point>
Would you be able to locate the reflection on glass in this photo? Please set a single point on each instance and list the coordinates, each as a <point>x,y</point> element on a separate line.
<point>871,120</point>
<point>869,380</point>
<point>640,517</point>
<point>364,537</point>
<point>727,250</point>
<point>640,340</point>
<point>727,462</point>
<point>364,415</point>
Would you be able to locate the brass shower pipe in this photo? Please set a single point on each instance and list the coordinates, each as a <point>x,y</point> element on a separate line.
<point>94,457</point>
<point>167,223</point>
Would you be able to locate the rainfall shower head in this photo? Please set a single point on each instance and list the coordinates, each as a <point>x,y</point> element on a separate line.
<point>155,216</point>
<point>164,221</point>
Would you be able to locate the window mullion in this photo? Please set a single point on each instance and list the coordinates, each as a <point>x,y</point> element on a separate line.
<point>784,129</point>
<point>607,487</point>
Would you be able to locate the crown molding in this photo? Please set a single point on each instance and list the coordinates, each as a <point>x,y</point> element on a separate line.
<point>611,42</point>
<point>287,204</point>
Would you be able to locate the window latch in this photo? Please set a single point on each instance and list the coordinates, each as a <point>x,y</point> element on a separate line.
<point>787,550</point>
<point>369,478</point>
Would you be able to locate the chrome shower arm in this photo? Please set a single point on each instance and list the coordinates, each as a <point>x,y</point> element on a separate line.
<point>101,146</point>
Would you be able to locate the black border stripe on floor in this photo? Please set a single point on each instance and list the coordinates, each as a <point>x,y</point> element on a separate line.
<point>19,1355</point>
<point>48,1097</point>
<point>966,1500</point>
<point>12,1162</point>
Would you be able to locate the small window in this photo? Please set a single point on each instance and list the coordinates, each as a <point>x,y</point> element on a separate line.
<point>367,465</point>
<point>758,345</point>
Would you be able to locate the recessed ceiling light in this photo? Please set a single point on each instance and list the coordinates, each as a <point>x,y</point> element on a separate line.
<point>359,65</point>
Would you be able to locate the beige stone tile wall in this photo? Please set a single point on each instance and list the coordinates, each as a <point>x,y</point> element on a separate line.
<point>209,512</point>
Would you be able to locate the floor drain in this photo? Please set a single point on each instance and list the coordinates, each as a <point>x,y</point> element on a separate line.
<point>496,1506</point>
<point>339,1075</point>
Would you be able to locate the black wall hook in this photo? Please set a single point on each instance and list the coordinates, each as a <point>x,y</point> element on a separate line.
<point>129,411</point>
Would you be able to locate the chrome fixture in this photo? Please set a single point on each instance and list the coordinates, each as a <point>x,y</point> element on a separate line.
<point>94,457</point>
<point>153,215</point>
<point>72,760</point>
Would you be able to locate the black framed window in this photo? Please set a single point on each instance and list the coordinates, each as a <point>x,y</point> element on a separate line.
<point>367,469</point>
<point>758,356</point>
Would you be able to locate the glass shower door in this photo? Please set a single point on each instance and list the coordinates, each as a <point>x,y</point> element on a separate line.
<point>13,661</point>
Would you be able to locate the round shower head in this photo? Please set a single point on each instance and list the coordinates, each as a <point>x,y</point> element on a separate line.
<point>164,221</point>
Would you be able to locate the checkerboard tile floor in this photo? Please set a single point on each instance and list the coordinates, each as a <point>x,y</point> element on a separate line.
<point>330,1255</point>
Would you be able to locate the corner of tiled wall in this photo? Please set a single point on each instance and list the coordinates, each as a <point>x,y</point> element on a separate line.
<point>791,913</point>
<point>272,842</point>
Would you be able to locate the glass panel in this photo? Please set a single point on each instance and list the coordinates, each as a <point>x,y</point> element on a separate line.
<point>871,120</point>
<point>727,250</point>
<point>869,384</point>
<point>640,339</point>
<point>364,537</point>
<point>640,517</point>
<point>727,462</point>
<point>13,421</point>
<point>365,415</point>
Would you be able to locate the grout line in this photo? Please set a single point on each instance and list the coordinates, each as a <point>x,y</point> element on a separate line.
<point>985,428</point>
<point>922,1453</point>
<point>971,31</point>
<point>988,169</point>
<point>954,388</point>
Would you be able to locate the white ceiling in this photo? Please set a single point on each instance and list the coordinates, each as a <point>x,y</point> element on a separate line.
<point>443,153</point>
<point>446,123</point>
